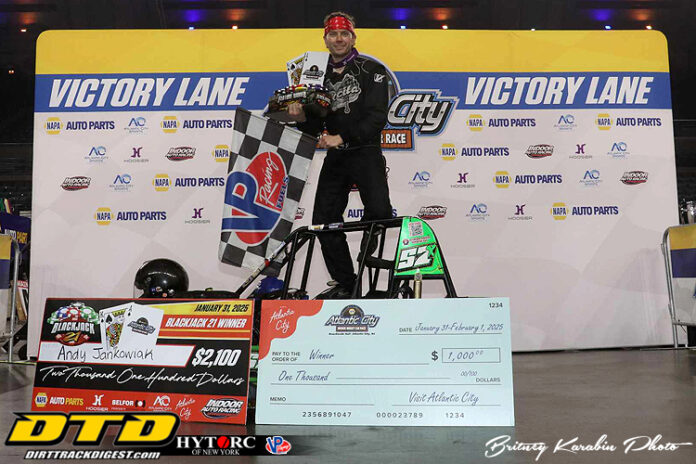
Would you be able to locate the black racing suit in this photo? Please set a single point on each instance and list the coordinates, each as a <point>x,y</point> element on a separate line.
<point>358,114</point>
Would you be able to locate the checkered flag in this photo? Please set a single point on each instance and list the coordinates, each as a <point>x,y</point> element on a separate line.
<point>269,163</point>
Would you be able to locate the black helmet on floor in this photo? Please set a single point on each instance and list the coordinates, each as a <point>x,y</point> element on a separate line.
<point>160,278</point>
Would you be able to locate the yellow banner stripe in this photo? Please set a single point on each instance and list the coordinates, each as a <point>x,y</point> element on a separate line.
<point>265,50</point>
<point>683,237</point>
<point>188,309</point>
<point>5,247</point>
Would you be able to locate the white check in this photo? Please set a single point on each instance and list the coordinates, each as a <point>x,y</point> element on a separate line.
<point>386,362</point>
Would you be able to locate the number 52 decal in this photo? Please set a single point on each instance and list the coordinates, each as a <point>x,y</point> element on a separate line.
<point>412,258</point>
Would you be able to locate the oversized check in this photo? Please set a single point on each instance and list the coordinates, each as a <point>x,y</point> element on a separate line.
<point>386,362</point>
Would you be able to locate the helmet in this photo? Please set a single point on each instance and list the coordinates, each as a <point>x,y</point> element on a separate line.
<point>160,278</point>
<point>268,289</point>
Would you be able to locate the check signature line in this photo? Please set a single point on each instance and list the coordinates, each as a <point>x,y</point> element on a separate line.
<point>388,384</point>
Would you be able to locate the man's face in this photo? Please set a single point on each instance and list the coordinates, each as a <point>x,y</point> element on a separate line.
<point>339,42</point>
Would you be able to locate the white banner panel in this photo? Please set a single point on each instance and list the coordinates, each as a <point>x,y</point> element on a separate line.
<point>544,160</point>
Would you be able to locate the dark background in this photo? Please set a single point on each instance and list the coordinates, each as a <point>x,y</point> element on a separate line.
<point>675,18</point>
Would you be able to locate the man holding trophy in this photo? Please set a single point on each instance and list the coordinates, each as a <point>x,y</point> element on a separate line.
<point>358,87</point>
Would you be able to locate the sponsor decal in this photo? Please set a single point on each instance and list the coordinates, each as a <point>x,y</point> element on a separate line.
<point>161,182</point>
<point>580,152</point>
<point>619,150</point>
<point>478,212</point>
<point>122,183</point>
<point>197,217</point>
<point>76,183</point>
<point>74,324</point>
<point>207,124</point>
<point>538,179</point>
<point>397,139</point>
<point>136,156</point>
<point>603,121</point>
<point>520,214</point>
<point>103,216</point>
<point>475,123</point>
<point>299,214</point>
<point>41,400</point>
<point>222,407</point>
<point>221,153</point>
<point>559,211</point>
<point>539,151</point>
<point>169,124</point>
<point>357,213</point>
<point>595,210</point>
<point>97,401</point>
<point>426,111</point>
<point>485,151</point>
<point>162,401</point>
<point>463,181</point>
<point>634,177</point>
<point>344,92</point>
<point>181,153</point>
<point>566,122</point>
<point>448,152</point>
<point>199,182</point>
<point>432,212</point>
<point>315,73</point>
<point>638,122</point>
<point>501,179</point>
<point>260,194</point>
<point>277,445</point>
<point>136,125</point>
<point>141,326</point>
<point>96,155</point>
<point>53,125</point>
<point>591,178</point>
<point>512,122</point>
<point>63,401</point>
<point>420,180</point>
<point>352,319</point>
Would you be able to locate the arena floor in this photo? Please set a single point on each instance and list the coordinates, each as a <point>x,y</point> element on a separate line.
<point>644,393</point>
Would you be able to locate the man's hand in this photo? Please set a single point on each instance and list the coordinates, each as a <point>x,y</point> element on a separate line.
<point>330,141</point>
<point>296,112</point>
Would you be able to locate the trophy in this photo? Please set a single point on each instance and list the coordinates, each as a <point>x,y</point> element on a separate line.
<point>306,86</point>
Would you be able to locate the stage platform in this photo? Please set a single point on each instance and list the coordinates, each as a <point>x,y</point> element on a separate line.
<point>558,396</point>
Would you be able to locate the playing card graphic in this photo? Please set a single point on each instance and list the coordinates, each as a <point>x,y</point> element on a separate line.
<point>141,327</point>
<point>111,325</point>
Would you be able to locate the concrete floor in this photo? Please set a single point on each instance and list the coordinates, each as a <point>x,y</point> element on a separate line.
<point>558,396</point>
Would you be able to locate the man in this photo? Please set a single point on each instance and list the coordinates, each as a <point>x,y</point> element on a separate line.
<point>359,88</point>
